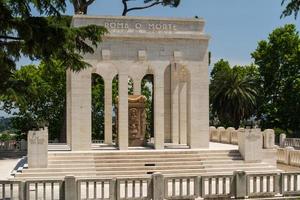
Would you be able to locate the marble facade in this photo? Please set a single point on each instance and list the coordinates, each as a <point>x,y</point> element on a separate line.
<point>174,51</point>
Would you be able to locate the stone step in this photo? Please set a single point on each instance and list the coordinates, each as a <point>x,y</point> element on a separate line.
<point>144,156</point>
<point>166,163</point>
<point>144,172</point>
<point>82,158</point>
<point>133,168</point>
<point>140,152</point>
<point>61,177</point>
<point>144,160</point>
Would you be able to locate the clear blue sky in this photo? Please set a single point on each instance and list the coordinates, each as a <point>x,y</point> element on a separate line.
<point>235,26</point>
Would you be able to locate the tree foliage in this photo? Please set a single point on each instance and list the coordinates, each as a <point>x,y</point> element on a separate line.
<point>278,59</point>
<point>233,93</point>
<point>97,107</point>
<point>42,99</point>
<point>42,37</point>
<point>291,7</point>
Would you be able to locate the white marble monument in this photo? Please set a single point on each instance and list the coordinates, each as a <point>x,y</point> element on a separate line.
<point>174,51</point>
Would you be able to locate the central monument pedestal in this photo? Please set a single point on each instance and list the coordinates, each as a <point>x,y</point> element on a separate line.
<point>136,120</point>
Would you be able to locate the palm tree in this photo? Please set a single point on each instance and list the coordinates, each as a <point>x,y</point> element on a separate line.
<point>233,96</point>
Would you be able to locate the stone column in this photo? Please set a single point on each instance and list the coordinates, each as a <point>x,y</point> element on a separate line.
<point>198,106</point>
<point>137,87</point>
<point>159,111</point>
<point>108,112</point>
<point>79,118</point>
<point>174,104</point>
<point>123,110</point>
<point>183,113</point>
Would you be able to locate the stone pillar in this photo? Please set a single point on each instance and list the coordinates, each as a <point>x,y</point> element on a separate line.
<point>79,104</point>
<point>70,188</point>
<point>282,140</point>
<point>158,186</point>
<point>137,87</point>
<point>198,106</point>
<point>220,131</point>
<point>287,151</point>
<point>108,112</point>
<point>123,111</point>
<point>38,148</point>
<point>240,184</point>
<point>269,138</point>
<point>250,144</point>
<point>159,111</point>
<point>212,132</point>
<point>174,105</point>
<point>183,113</point>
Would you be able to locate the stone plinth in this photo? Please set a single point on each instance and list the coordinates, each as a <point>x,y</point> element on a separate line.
<point>38,148</point>
<point>250,144</point>
<point>136,120</point>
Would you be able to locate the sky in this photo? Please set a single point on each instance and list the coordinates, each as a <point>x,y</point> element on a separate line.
<point>235,26</point>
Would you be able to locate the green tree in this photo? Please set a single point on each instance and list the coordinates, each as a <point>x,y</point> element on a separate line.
<point>42,99</point>
<point>278,59</point>
<point>291,7</point>
<point>44,37</point>
<point>97,107</point>
<point>233,94</point>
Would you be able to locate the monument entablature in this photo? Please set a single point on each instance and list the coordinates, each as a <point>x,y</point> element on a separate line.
<point>174,51</point>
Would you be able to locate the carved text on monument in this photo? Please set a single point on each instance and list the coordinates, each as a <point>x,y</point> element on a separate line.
<point>140,26</point>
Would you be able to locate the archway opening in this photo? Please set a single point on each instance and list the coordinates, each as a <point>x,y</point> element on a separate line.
<point>97,108</point>
<point>115,94</point>
<point>147,86</point>
<point>130,86</point>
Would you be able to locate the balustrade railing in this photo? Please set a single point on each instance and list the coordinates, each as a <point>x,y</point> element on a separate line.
<point>292,142</point>
<point>262,185</point>
<point>44,189</point>
<point>181,187</point>
<point>134,188</point>
<point>290,183</point>
<point>218,186</point>
<point>94,189</point>
<point>258,185</point>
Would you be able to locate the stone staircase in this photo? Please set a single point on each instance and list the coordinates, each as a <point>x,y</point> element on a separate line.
<point>142,162</point>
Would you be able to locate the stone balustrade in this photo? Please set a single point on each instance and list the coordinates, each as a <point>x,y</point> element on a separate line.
<point>289,142</point>
<point>288,156</point>
<point>230,136</point>
<point>238,185</point>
